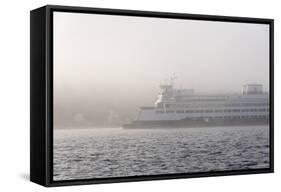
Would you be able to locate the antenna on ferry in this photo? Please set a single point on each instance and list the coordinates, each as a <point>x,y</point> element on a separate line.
<point>172,79</point>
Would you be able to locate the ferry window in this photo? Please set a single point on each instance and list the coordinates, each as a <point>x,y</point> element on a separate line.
<point>167,105</point>
<point>159,111</point>
<point>160,105</point>
<point>180,111</point>
<point>235,110</point>
<point>191,111</point>
<point>170,111</point>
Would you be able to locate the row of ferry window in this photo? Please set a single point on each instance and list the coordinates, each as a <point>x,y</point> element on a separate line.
<point>216,105</point>
<point>239,116</point>
<point>216,111</point>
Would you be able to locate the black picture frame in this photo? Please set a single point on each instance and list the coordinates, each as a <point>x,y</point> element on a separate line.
<point>41,99</point>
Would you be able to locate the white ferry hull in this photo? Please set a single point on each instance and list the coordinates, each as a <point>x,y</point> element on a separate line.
<point>199,122</point>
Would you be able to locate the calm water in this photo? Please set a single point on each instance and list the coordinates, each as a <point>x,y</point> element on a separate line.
<point>96,153</point>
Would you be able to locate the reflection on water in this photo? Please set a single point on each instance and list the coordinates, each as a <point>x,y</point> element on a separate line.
<point>99,153</point>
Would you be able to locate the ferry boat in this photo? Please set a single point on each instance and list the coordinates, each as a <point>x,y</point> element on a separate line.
<point>176,108</point>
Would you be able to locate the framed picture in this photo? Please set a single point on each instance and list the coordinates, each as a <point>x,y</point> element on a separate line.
<point>122,95</point>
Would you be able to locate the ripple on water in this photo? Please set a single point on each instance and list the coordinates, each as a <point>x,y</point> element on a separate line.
<point>96,153</point>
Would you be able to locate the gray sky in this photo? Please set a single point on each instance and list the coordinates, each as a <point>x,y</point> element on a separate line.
<point>108,66</point>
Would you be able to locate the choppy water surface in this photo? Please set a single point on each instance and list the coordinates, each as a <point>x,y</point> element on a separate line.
<point>117,152</point>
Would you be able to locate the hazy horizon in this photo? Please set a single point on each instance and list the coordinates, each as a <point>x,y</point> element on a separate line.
<point>106,67</point>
